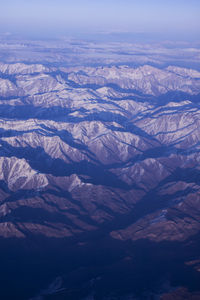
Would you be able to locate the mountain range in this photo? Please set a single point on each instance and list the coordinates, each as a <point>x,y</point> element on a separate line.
<point>100,181</point>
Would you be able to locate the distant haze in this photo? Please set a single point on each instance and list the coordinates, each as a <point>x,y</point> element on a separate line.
<point>58,17</point>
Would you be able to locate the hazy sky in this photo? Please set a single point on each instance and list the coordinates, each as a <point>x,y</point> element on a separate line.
<point>58,16</point>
